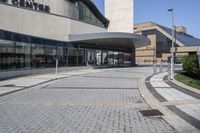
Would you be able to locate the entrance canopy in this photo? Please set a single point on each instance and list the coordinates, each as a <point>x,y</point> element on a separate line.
<point>110,41</point>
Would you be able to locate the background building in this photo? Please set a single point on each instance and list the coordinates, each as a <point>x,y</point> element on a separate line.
<point>161,40</point>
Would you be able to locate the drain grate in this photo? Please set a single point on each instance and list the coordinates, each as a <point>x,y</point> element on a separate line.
<point>153,112</point>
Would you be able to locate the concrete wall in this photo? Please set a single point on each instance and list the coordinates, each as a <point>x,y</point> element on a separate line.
<point>42,24</point>
<point>120,13</point>
<point>141,26</point>
<point>81,28</point>
<point>59,7</point>
<point>188,49</point>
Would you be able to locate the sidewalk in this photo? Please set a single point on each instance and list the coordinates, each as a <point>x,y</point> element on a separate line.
<point>183,102</point>
<point>21,83</point>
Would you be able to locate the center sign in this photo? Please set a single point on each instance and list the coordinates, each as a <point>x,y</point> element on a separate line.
<point>31,4</point>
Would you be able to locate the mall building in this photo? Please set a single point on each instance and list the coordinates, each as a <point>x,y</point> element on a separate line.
<point>33,33</point>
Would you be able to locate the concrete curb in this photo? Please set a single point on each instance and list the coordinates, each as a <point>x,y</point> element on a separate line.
<point>174,120</point>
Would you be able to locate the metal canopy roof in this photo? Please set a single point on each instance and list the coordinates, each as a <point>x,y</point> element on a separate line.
<point>110,40</point>
<point>184,38</point>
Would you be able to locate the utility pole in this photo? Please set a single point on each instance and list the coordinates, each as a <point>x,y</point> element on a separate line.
<point>172,48</point>
<point>154,61</point>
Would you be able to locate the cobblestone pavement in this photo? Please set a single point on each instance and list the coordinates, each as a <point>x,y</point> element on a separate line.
<point>104,102</point>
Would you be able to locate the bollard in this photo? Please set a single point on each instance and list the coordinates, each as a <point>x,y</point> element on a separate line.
<point>168,67</point>
<point>160,66</point>
<point>154,67</point>
<point>56,67</point>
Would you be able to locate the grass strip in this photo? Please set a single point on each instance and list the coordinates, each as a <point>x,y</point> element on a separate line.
<point>195,83</point>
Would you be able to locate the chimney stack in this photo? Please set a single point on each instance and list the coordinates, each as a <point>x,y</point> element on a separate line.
<point>181,29</point>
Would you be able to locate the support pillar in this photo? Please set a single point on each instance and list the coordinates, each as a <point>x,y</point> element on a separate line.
<point>133,57</point>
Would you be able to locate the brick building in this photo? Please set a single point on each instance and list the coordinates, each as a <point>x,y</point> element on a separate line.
<point>161,40</point>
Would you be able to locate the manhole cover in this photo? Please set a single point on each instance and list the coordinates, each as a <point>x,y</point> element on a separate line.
<point>153,112</point>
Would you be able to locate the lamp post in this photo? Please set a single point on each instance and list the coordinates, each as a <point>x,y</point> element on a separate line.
<point>172,48</point>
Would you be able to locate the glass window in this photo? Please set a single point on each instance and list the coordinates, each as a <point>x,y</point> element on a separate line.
<point>37,56</point>
<point>120,59</point>
<point>23,53</point>
<point>50,54</point>
<point>61,54</point>
<point>110,58</point>
<point>94,19</point>
<point>7,54</point>
<point>72,57</point>
<point>81,57</point>
<point>127,59</point>
<point>86,15</point>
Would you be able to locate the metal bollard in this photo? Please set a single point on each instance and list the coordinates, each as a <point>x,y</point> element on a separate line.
<point>168,67</point>
<point>160,66</point>
<point>154,67</point>
<point>56,67</point>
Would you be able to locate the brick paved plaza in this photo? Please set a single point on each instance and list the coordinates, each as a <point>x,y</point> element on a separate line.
<point>102,102</point>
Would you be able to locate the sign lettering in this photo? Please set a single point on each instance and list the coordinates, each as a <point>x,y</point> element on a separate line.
<point>31,4</point>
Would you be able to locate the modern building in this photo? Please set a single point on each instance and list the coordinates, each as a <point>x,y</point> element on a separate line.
<point>33,33</point>
<point>161,40</point>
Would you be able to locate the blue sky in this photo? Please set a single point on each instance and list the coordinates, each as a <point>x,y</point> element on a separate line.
<point>187,13</point>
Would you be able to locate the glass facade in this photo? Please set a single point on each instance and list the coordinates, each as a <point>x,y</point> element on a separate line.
<point>37,53</point>
<point>72,57</point>
<point>50,55</point>
<point>18,51</point>
<point>20,55</point>
<point>115,59</point>
<point>163,44</point>
<point>61,55</point>
<point>7,54</point>
<point>82,54</point>
<point>86,15</point>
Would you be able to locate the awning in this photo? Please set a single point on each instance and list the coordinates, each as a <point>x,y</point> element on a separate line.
<point>110,40</point>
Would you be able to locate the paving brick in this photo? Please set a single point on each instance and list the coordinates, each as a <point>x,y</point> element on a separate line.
<point>99,102</point>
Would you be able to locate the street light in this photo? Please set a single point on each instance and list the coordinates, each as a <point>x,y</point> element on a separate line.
<point>172,53</point>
